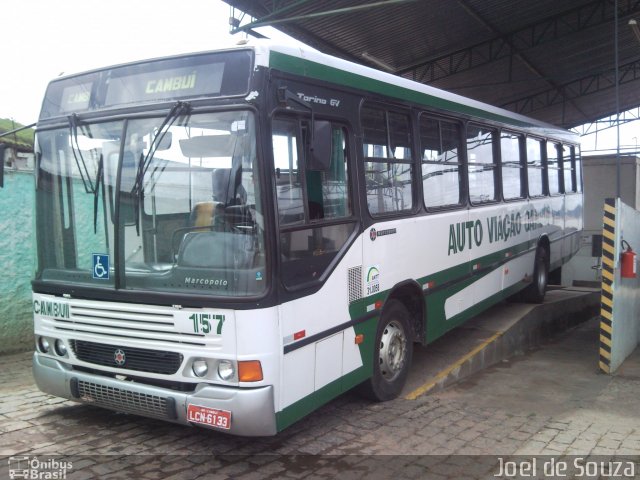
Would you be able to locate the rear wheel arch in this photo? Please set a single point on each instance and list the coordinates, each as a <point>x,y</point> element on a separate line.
<point>535,292</point>
<point>409,293</point>
<point>392,353</point>
<point>544,242</point>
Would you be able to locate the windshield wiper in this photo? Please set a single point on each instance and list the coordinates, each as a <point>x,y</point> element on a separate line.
<point>99,180</point>
<point>179,109</point>
<point>77,155</point>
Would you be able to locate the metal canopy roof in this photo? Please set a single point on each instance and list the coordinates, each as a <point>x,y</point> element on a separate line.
<point>553,60</point>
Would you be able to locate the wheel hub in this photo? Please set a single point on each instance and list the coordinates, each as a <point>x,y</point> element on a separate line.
<point>393,351</point>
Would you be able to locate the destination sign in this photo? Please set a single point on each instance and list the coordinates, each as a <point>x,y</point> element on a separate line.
<point>166,84</point>
<point>76,97</point>
<point>194,76</point>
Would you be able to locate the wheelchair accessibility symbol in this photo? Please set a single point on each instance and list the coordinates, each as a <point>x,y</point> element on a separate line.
<point>100,266</point>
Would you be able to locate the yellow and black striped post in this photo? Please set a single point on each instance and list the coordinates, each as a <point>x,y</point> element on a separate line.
<point>606,302</point>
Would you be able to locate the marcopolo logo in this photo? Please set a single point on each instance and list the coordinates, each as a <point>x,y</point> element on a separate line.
<point>38,469</point>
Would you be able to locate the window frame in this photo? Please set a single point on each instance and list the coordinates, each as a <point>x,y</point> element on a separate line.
<point>543,166</point>
<point>497,194</point>
<point>461,163</point>
<point>411,161</point>
<point>522,153</point>
<point>313,224</point>
<point>576,155</point>
<point>570,161</point>
<point>557,146</point>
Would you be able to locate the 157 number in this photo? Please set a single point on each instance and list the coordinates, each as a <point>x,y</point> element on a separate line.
<point>203,322</point>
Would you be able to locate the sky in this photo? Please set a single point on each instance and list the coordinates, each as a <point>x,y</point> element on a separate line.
<point>45,38</point>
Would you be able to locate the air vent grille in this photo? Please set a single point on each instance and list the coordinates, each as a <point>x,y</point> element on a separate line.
<point>355,283</point>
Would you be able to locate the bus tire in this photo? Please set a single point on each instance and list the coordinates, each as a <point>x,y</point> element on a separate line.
<point>393,351</point>
<point>535,292</point>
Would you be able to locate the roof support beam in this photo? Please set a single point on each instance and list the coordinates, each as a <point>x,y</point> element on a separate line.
<point>515,53</point>
<point>506,45</point>
<point>598,82</point>
<point>274,13</point>
<point>606,123</point>
<point>339,11</point>
<point>310,38</point>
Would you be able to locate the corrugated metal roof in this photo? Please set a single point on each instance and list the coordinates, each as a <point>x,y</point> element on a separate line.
<point>551,60</point>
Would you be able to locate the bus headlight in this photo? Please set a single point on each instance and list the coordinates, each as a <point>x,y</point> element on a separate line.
<point>60,348</point>
<point>200,368</point>
<point>43,345</point>
<point>226,369</point>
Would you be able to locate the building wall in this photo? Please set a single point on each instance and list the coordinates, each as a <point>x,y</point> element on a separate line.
<point>600,183</point>
<point>599,174</point>
<point>17,261</point>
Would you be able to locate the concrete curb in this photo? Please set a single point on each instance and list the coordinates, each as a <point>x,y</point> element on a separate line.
<point>515,335</point>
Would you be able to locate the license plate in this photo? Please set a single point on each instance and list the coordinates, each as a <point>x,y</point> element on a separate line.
<point>209,416</point>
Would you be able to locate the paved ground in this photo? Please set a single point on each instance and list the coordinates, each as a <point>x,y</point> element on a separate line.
<point>548,401</point>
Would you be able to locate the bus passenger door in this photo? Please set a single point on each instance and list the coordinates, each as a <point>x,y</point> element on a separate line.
<point>317,248</point>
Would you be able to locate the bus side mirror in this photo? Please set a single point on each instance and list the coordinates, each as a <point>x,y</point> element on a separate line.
<point>3,147</point>
<point>320,148</point>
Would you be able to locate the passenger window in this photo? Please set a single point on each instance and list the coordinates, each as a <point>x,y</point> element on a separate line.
<point>328,190</point>
<point>535,168</point>
<point>310,201</point>
<point>481,164</point>
<point>440,143</point>
<point>511,166</point>
<point>575,153</point>
<point>287,172</point>
<point>388,167</point>
<point>568,168</point>
<point>553,168</point>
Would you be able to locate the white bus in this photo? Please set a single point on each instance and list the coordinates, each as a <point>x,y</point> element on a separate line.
<point>231,239</point>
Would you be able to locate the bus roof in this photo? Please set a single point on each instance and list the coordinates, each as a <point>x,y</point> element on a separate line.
<point>311,63</point>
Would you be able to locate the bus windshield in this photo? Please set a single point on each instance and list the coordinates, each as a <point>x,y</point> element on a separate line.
<point>169,204</point>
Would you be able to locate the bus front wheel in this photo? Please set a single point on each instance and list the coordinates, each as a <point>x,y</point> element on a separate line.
<point>392,354</point>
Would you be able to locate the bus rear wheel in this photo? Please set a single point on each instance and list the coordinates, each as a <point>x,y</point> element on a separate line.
<point>392,354</point>
<point>535,292</point>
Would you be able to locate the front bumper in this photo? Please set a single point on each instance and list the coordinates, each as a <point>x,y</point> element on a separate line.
<point>252,409</point>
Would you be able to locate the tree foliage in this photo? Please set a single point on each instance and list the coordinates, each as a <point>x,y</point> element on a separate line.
<point>22,140</point>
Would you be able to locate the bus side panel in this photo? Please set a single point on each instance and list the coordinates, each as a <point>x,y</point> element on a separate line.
<point>432,250</point>
<point>573,224</point>
<point>555,229</point>
<point>499,241</point>
<point>500,261</point>
<point>315,373</point>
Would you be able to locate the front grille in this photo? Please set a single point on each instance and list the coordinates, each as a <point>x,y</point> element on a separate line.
<point>157,325</point>
<point>138,359</point>
<point>125,400</point>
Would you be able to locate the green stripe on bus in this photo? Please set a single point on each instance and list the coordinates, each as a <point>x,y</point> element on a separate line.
<point>311,402</point>
<point>307,68</point>
<point>456,278</point>
<point>455,275</point>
